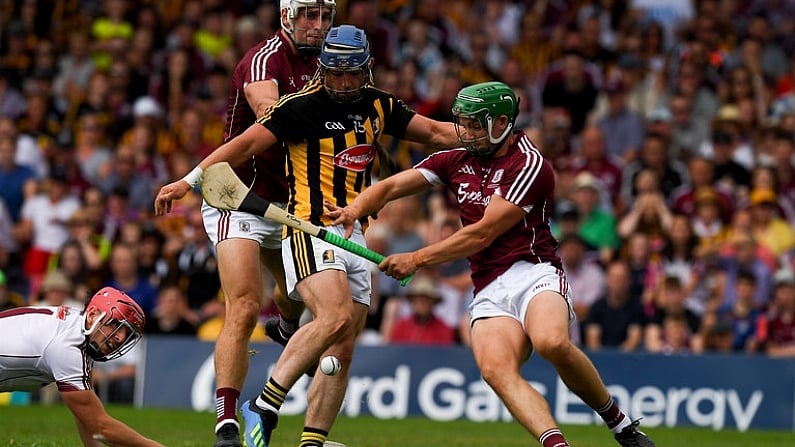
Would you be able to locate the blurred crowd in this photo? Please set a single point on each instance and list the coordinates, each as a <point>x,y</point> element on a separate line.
<point>671,125</point>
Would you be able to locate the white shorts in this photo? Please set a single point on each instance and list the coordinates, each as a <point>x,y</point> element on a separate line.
<point>221,225</point>
<point>510,294</point>
<point>304,255</point>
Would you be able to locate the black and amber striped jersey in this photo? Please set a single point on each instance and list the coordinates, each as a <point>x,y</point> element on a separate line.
<point>331,144</point>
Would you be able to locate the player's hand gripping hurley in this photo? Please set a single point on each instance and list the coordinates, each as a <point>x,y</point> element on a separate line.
<point>222,189</point>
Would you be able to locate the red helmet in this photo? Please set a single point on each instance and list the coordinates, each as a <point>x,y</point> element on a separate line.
<point>118,312</point>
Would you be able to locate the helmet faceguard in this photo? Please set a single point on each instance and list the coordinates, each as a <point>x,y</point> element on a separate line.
<point>117,315</point>
<point>315,24</point>
<point>345,51</point>
<point>485,102</point>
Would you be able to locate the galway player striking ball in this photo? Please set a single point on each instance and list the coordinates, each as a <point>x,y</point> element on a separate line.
<point>330,365</point>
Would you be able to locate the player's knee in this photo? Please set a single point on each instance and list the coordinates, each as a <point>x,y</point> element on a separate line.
<point>244,312</point>
<point>496,375</point>
<point>552,347</point>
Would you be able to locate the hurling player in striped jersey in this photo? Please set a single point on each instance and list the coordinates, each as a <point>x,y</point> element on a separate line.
<point>522,302</point>
<point>275,67</point>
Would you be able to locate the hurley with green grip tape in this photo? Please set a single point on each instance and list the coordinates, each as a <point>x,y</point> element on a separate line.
<point>223,189</point>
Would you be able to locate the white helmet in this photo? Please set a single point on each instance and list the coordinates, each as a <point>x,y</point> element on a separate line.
<point>293,8</point>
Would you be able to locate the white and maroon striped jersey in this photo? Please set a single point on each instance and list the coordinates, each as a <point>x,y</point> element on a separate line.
<point>522,177</point>
<point>41,345</point>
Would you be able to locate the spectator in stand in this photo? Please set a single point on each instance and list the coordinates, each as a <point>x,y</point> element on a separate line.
<point>594,158</point>
<point>743,315</point>
<point>57,290</point>
<point>586,278</point>
<point>701,174</point>
<point>616,319</point>
<point>197,264</point>
<point>769,229</point>
<point>743,258</point>
<point>16,182</point>
<point>71,262</point>
<point>597,226</point>
<point>573,86</point>
<point>124,276</point>
<point>422,327</point>
<point>707,216</point>
<point>12,103</point>
<point>43,224</point>
<point>654,155</point>
<point>669,301</point>
<point>9,299</point>
<point>623,129</point>
<point>123,174</point>
<point>780,340</point>
<point>687,132</point>
<point>648,213</point>
<point>171,315</point>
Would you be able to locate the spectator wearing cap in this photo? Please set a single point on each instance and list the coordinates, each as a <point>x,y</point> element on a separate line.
<point>597,226</point>
<point>707,216</point>
<point>586,278</point>
<point>622,127</point>
<point>57,290</point>
<point>43,224</point>
<point>422,327</point>
<point>729,135</point>
<point>149,137</point>
<point>769,229</point>
<point>778,328</point>
<point>701,174</point>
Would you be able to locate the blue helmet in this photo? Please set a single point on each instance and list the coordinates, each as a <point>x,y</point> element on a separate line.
<point>346,49</point>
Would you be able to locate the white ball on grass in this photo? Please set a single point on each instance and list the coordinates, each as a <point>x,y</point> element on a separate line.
<point>330,365</point>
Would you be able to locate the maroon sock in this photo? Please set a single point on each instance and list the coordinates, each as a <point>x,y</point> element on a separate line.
<point>553,438</point>
<point>226,404</point>
<point>611,414</point>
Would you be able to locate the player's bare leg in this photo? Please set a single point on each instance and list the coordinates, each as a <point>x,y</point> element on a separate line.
<point>327,295</point>
<point>500,346</point>
<point>242,283</point>
<point>547,326</point>
<point>282,328</point>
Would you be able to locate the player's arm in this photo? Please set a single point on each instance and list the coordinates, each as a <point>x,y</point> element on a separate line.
<point>372,199</point>
<point>499,217</point>
<point>235,151</point>
<point>94,423</point>
<point>261,94</point>
<point>438,134</point>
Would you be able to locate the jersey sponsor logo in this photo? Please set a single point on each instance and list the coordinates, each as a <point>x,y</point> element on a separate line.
<point>63,312</point>
<point>355,158</point>
<point>334,125</point>
<point>475,197</point>
<point>466,169</point>
<point>328,257</point>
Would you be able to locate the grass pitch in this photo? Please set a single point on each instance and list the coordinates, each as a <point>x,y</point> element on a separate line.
<point>53,426</point>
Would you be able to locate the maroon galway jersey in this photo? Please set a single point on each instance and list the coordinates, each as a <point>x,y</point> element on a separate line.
<point>522,177</point>
<point>270,59</point>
